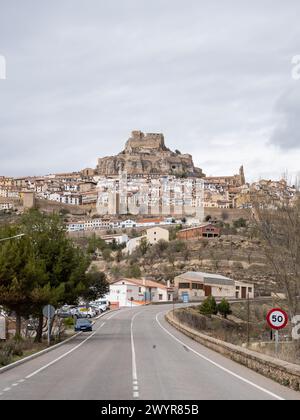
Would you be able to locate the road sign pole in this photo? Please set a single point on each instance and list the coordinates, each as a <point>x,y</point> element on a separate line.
<point>49,325</point>
<point>49,313</point>
<point>276,343</point>
<point>277,320</point>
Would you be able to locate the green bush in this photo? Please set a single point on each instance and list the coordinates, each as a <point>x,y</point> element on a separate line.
<point>5,358</point>
<point>224,308</point>
<point>240,223</point>
<point>209,307</point>
<point>69,322</point>
<point>133,271</point>
<point>10,349</point>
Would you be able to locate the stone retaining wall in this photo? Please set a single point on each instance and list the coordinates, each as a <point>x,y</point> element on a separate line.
<point>285,373</point>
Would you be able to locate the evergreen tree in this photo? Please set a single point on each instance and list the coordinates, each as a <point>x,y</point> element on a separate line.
<point>209,307</point>
<point>224,308</point>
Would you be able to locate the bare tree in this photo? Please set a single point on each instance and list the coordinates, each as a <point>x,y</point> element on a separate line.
<point>278,224</point>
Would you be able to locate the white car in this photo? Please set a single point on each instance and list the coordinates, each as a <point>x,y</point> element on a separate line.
<point>83,312</point>
<point>103,304</point>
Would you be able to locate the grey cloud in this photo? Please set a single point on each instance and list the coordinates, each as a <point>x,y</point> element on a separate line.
<point>286,134</point>
<point>82,75</point>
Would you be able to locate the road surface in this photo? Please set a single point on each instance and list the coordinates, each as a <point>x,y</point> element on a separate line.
<point>136,354</point>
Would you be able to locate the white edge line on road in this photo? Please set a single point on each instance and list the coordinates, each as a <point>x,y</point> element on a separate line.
<point>134,368</point>
<point>48,349</point>
<point>65,354</point>
<point>218,365</point>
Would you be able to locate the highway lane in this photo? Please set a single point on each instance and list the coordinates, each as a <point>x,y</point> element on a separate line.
<point>136,354</point>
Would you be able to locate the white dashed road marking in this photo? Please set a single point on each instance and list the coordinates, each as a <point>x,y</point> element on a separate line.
<point>135,383</point>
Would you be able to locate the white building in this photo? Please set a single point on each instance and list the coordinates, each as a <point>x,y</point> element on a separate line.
<point>118,239</point>
<point>6,206</point>
<point>133,244</point>
<point>128,224</point>
<point>157,234</point>
<point>135,292</point>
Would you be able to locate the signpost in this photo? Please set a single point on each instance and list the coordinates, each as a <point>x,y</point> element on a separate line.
<point>2,328</point>
<point>277,320</point>
<point>49,312</point>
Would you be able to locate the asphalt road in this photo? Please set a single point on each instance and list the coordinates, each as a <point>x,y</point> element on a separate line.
<point>136,354</point>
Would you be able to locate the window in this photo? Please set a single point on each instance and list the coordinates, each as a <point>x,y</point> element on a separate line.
<point>184,285</point>
<point>197,286</point>
<point>160,297</point>
<point>249,289</point>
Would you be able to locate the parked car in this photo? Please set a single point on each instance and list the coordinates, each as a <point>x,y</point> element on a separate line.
<point>96,309</point>
<point>83,312</point>
<point>101,304</point>
<point>83,325</point>
<point>66,311</point>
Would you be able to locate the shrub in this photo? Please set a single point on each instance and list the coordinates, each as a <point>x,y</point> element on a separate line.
<point>10,349</point>
<point>133,271</point>
<point>209,307</point>
<point>69,322</point>
<point>240,223</point>
<point>177,246</point>
<point>224,308</point>
<point>5,358</point>
<point>106,254</point>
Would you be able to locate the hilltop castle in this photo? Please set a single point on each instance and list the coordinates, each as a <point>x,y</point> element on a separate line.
<point>147,154</point>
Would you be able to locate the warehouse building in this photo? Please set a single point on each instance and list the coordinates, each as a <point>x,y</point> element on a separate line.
<point>197,285</point>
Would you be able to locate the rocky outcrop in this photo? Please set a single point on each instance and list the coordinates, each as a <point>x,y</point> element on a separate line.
<point>147,154</point>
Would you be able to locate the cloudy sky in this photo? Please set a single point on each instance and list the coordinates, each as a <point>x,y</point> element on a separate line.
<point>213,76</point>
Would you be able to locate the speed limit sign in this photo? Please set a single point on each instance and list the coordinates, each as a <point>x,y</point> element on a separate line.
<point>277,319</point>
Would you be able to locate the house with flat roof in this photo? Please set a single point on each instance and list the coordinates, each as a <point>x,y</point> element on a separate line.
<point>198,285</point>
<point>157,234</point>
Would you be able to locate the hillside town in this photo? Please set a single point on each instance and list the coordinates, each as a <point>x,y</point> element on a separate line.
<point>146,179</point>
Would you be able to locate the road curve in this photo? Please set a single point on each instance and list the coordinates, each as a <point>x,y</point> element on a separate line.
<point>136,354</point>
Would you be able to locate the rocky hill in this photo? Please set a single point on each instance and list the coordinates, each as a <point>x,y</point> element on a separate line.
<point>147,154</point>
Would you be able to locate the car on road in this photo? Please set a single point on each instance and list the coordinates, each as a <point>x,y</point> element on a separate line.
<point>83,324</point>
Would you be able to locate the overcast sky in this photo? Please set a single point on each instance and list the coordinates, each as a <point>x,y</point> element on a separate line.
<point>213,76</point>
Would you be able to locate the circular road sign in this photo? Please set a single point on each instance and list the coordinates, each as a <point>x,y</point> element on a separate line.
<point>277,319</point>
<point>49,310</point>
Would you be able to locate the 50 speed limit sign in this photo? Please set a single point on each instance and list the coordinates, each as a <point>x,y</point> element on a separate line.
<point>277,319</point>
